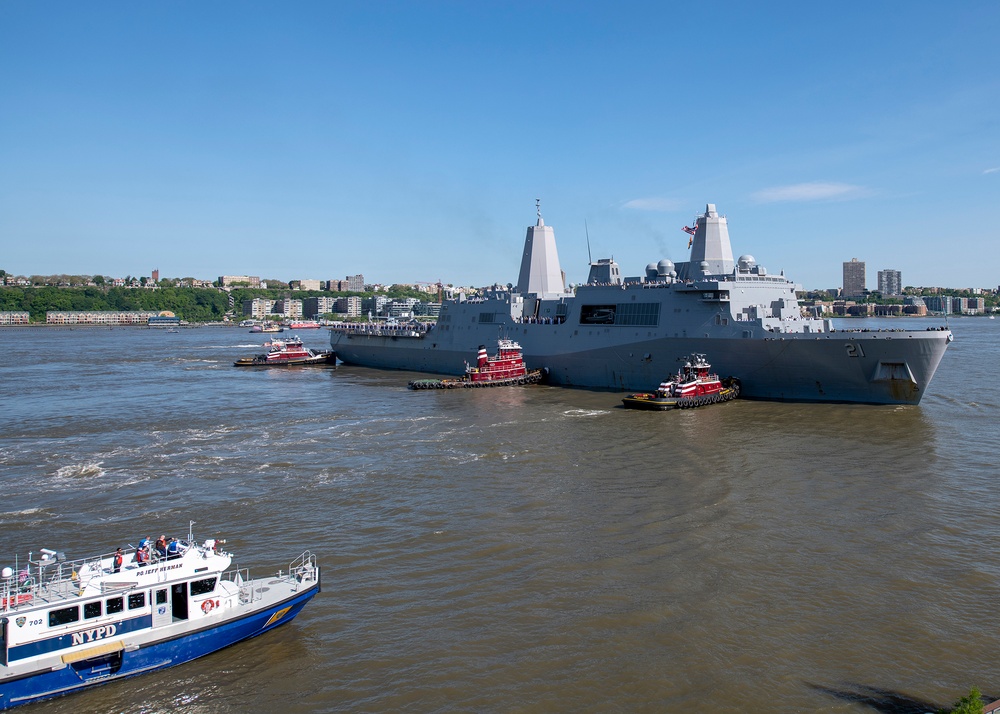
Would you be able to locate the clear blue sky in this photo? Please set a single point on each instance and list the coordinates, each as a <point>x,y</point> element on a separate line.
<point>408,140</point>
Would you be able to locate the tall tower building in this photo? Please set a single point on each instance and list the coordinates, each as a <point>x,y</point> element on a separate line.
<point>890,282</point>
<point>854,278</point>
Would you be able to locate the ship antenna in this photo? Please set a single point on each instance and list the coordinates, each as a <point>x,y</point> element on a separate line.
<point>590,258</point>
<point>538,207</point>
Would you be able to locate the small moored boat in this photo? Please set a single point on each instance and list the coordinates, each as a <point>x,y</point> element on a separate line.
<point>267,327</point>
<point>504,369</point>
<point>287,353</point>
<point>71,624</point>
<point>693,386</point>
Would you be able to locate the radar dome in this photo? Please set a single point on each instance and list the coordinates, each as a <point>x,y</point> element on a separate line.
<point>747,262</point>
<point>651,270</point>
<point>664,267</point>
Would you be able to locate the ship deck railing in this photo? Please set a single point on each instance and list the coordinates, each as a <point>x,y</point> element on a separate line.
<point>302,572</point>
<point>419,329</point>
<point>57,579</point>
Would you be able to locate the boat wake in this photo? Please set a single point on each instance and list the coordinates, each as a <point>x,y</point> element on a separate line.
<point>585,412</point>
<point>81,471</point>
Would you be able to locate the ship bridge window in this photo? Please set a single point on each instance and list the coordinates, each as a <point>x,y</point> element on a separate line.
<point>202,587</point>
<point>115,604</point>
<point>64,616</point>
<point>92,609</point>
<point>136,600</point>
<point>487,318</point>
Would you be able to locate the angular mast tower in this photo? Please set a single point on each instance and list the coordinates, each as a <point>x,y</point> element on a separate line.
<point>540,272</point>
<point>711,244</point>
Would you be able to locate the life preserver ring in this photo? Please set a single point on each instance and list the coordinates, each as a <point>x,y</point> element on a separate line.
<point>207,606</point>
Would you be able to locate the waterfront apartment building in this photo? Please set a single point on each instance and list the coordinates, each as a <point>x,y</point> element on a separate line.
<point>375,305</point>
<point>969,306</point>
<point>258,308</point>
<point>854,278</point>
<point>890,282</point>
<point>942,304</point>
<point>287,307</point>
<point>403,308</point>
<point>427,309</point>
<point>315,306</point>
<point>310,284</point>
<point>350,306</point>
<point>14,318</point>
<point>97,317</point>
<point>229,280</point>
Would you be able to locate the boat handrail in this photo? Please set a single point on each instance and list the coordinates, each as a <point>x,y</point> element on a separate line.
<point>55,578</point>
<point>52,578</point>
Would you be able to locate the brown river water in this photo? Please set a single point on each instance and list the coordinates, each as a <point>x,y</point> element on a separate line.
<point>532,549</point>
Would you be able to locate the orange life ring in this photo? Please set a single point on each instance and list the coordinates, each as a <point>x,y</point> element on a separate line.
<point>207,606</point>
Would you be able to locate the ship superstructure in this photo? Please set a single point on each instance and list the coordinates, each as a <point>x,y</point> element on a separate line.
<point>621,333</point>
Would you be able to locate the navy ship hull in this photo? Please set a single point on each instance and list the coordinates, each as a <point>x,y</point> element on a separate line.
<point>866,367</point>
<point>628,333</point>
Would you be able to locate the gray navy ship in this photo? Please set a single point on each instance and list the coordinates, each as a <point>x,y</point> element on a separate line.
<point>626,333</point>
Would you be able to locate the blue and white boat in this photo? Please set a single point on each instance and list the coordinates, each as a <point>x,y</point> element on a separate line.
<point>70,624</point>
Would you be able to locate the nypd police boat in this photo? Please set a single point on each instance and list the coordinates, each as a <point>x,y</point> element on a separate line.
<point>70,624</point>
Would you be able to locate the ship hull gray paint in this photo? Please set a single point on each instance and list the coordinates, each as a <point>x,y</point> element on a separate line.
<point>828,367</point>
<point>628,334</point>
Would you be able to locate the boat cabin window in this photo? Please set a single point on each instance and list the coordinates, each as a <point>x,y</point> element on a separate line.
<point>92,609</point>
<point>115,604</point>
<point>202,587</point>
<point>161,597</point>
<point>136,600</point>
<point>64,616</point>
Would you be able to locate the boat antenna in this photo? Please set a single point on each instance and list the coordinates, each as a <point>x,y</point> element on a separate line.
<point>590,258</point>
<point>190,531</point>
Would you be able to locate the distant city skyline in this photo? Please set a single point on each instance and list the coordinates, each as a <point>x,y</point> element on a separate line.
<point>411,144</point>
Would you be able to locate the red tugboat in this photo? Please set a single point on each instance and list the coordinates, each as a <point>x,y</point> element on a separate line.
<point>505,368</point>
<point>693,386</point>
<point>287,353</point>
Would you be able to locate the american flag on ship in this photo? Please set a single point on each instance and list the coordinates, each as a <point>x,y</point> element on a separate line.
<point>690,232</point>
